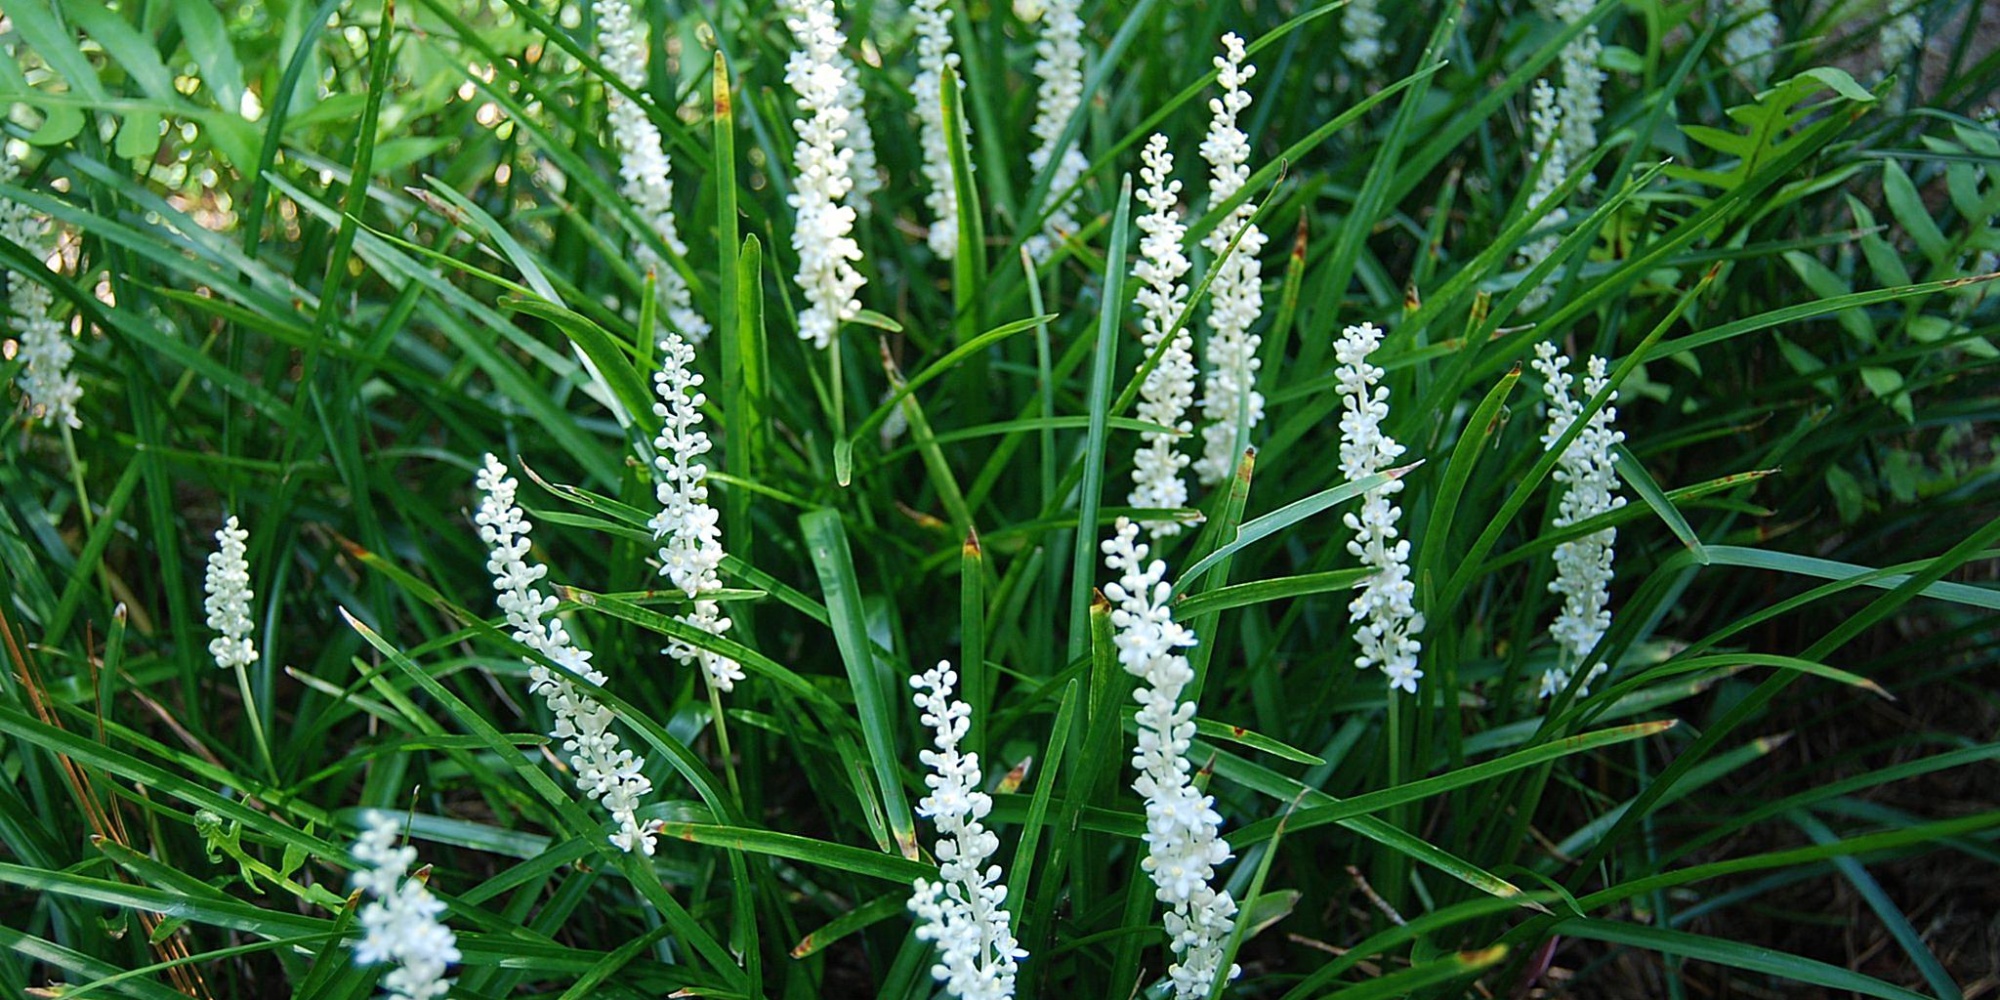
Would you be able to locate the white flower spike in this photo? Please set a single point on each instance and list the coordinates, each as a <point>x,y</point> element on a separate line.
<point>1362,23</point>
<point>1545,123</point>
<point>934,56</point>
<point>229,596</point>
<point>645,170</point>
<point>1384,612</point>
<point>1581,96</point>
<point>400,921</point>
<point>1168,390</point>
<point>964,911</point>
<point>1183,831</point>
<point>1751,40</point>
<point>692,549</point>
<point>823,188</point>
<point>46,348</point>
<point>603,770</point>
<point>1230,402</point>
<point>1589,471</point>
<point>1059,66</point>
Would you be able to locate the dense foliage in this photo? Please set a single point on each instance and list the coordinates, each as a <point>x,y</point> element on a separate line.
<point>792,424</point>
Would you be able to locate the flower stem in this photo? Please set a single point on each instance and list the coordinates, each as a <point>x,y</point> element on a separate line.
<point>256,721</point>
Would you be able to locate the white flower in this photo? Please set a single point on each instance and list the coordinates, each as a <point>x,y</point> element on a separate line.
<point>1230,401</point>
<point>1183,831</point>
<point>934,54</point>
<point>1059,67</point>
<point>964,911</point>
<point>1168,390</point>
<point>400,921</point>
<point>46,348</point>
<point>862,170</point>
<point>693,536</point>
<point>823,165</point>
<point>603,770</point>
<point>1581,96</point>
<point>228,603</point>
<point>1587,467</point>
<point>1362,23</point>
<point>1384,612</point>
<point>1900,38</point>
<point>1751,39</point>
<point>1545,124</point>
<point>644,168</point>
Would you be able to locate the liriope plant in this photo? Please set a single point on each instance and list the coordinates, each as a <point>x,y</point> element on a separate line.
<point>387,283</point>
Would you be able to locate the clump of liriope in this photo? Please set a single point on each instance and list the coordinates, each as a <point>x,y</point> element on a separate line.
<point>1168,389</point>
<point>1183,831</point>
<point>934,56</point>
<point>823,171</point>
<point>400,921</point>
<point>1587,468</point>
<point>604,771</point>
<point>964,911</point>
<point>1059,67</point>
<point>692,550</point>
<point>644,168</point>
<point>1386,620</point>
<point>1230,401</point>
<point>46,349</point>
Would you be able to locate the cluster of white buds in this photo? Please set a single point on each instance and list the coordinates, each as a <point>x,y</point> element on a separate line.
<point>862,169</point>
<point>1545,124</point>
<point>1168,389</point>
<point>46,348</point>
<point>1183,831</point>
<point>1752,38</point>
<point>1230,402</point>
<point>1901,37</point>
<point>644,168</point>
<point>934,56</point>
<point>1589,471</point>
<point>1362,23</point>
<point>823,167</point>
<point>228,603</point>
<point>400,921</point>
<point>1581,96</point>
<point>692,549</point>
<point>604,771</point>
<point>964,911</point>
<point>1384,612</point>
<point>1059,67</point>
